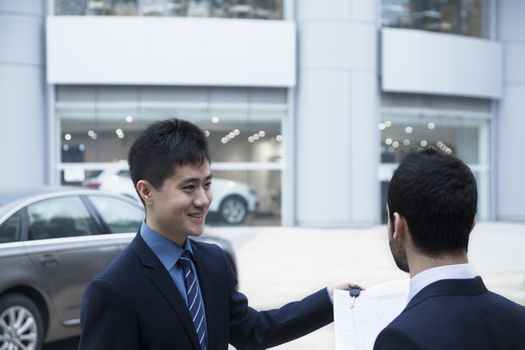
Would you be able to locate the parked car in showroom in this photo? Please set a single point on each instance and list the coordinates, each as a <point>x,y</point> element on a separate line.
<point>53,241</point>
<point>232,200</point>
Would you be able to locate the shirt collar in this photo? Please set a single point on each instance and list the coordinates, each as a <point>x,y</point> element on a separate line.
<point>167,251</point>
<point>427,277</point>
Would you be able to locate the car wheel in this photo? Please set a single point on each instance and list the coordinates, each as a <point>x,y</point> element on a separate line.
<point>21,325</point>
<point>233,210</point>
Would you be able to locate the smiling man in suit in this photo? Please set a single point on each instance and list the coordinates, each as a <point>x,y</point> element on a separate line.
<point>166,291</point>
<point>432,201</point>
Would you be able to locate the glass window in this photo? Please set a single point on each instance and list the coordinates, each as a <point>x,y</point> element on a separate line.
<point>243,127</point>
<point>11,228</point>
<point>59,217</point>
<point>463,137</point>
<point>234,135</point>
<point>260,9</point>
<point>119,216</point>
<point>464,17</point>
<point>246,197</point>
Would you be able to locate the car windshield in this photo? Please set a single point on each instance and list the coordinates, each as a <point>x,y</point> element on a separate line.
<point>11,198</point>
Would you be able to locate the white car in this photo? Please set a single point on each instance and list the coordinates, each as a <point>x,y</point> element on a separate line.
<point>232,200</point>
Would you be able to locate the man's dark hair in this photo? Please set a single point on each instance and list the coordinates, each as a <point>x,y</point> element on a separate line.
<point>162,147</point>
<point>437,195</point>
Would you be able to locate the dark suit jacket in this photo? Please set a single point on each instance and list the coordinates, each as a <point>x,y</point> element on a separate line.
<point>134,304</point>
<point>456,314</point>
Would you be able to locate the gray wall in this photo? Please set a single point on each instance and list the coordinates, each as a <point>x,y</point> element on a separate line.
<point>22,93</point>
<point>510,120</point>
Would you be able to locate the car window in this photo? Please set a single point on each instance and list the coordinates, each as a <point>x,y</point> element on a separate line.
<point>119,215</point>
<point>123,173</point>
<point>10,229</point>
<point>59,217</point>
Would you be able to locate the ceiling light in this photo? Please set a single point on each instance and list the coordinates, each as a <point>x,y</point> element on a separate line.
<point>409,129</point>
<point>431,126</point>
<point>129,119</point>
<point>215,120</point>
<point>120,133</point>
<point>67,137</point>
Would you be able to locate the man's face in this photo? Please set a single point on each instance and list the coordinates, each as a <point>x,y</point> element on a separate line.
<point>178,208</point>
<point>396,247</point>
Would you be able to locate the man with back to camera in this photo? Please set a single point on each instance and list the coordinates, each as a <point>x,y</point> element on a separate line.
<point>432,200</point>
<point>165,291</point>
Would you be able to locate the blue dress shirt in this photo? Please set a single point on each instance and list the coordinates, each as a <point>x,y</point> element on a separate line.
<point>169,253</point>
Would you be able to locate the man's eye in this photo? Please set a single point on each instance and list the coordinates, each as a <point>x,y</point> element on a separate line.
<point>189,188</point>
<point>207,185</point>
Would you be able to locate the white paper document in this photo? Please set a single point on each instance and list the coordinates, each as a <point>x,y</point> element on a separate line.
<point>358,322</point>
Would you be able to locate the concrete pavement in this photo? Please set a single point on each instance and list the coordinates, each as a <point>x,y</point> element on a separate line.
<point>281,264</point>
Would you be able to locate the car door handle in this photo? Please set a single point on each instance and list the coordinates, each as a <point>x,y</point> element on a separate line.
<point>48,260</point>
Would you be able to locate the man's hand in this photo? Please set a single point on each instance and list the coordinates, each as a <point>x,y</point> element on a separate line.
<point>345,285</point>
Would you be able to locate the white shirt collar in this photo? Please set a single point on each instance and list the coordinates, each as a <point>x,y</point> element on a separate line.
<point>426,277</point>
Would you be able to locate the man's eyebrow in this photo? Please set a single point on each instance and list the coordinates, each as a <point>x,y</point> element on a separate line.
<point>196,179</point>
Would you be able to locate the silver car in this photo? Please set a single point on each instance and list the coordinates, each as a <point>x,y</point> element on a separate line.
<point>52,243</point>
<point>232,201</point>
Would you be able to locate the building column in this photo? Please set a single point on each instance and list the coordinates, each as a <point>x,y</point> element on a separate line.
<point>510,120</point>
<point>22,93</point>
<point>337,106</point>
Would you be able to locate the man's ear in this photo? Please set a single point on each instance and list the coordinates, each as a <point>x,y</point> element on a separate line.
<point>144,189</point>
<point>400,227</point>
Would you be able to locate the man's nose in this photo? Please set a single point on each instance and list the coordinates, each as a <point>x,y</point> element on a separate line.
<point>201,197</point>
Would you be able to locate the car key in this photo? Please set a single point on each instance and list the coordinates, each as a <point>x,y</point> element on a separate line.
<point>354,293</point>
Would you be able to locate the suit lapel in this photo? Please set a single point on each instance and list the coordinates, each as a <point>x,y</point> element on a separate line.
<point>449,287</point>
<point>165,285</point>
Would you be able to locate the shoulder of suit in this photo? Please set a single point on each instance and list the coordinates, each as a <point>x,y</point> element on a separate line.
<point>204,245</point>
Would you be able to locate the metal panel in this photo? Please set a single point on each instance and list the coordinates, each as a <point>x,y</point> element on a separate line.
<point>170,51</point>
<point>422,62</point>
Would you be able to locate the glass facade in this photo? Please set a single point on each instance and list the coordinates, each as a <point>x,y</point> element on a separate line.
<point>257,9</point>
<point>463,17</point>
<point>243,126</point>
<point>465,138</point>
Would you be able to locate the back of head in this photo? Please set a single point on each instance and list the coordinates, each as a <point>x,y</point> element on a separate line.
<point>162,147</point>
<point>436,193</point>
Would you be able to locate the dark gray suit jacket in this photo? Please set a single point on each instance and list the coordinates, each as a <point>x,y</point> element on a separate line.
<point>456,314</point>
<point>134,304</point>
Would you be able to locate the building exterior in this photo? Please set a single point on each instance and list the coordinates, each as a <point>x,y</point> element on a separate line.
<point>312,103</point>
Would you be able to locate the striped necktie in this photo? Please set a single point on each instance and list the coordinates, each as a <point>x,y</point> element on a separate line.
<point>193,292</point>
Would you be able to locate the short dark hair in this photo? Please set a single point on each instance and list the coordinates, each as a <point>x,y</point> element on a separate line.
<point>162,147</point>
<point>436,193</point>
